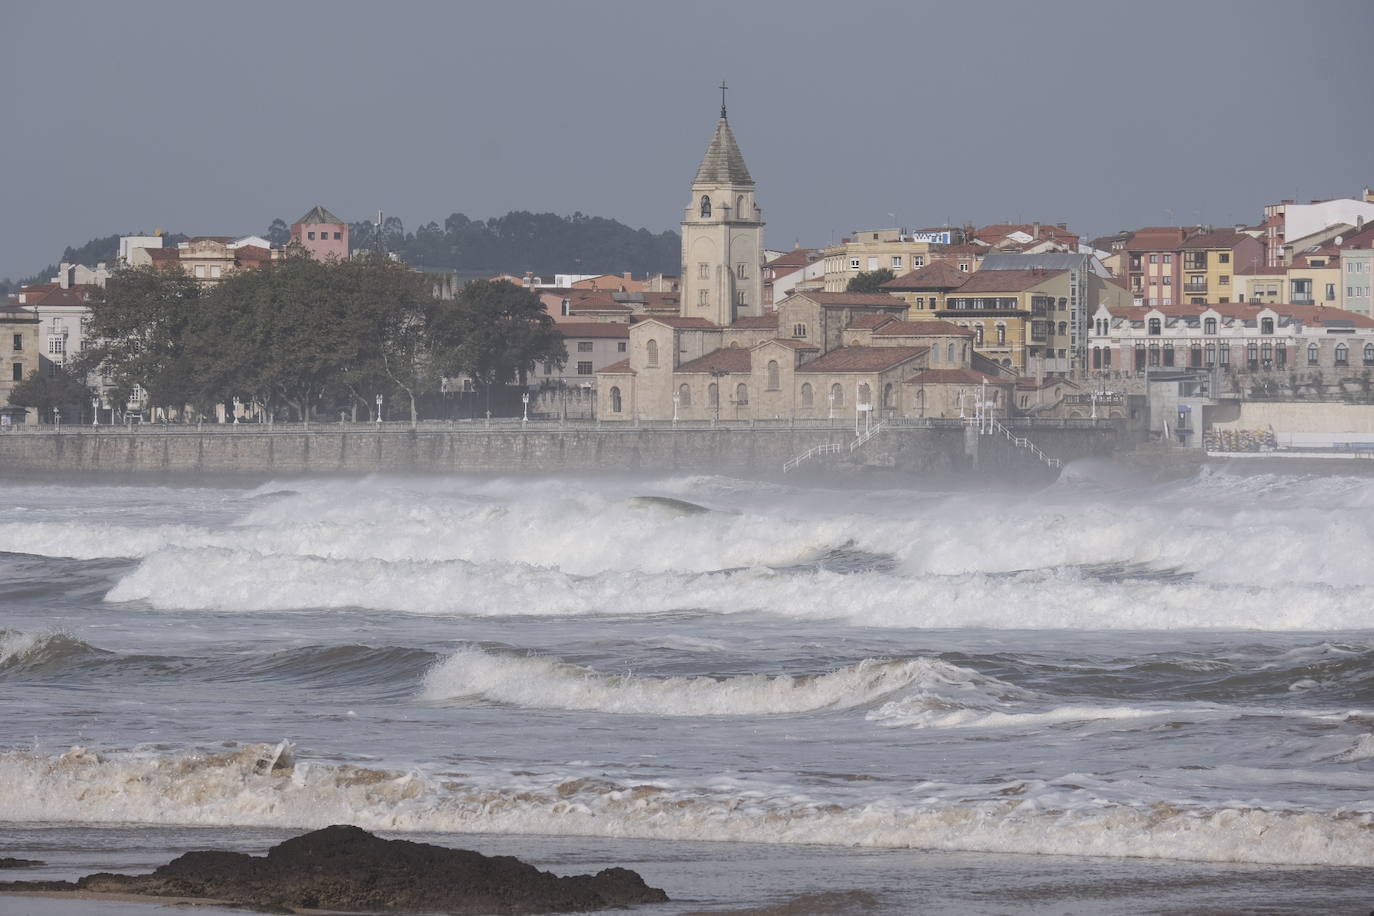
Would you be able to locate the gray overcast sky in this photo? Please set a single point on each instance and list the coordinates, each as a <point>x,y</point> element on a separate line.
<point>214,119</point>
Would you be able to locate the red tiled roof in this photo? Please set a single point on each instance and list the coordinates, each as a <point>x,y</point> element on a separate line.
<point>726,359</point>
<point>1006,281</point>
<point>674,322</point>
<point>1220,238</point>
<point>934,328</point>
<point>163,254</point>
<point>762,322</point>
<point>860,299</point>
<point>939,275</point>
<point>592,329</point>
<point>1156,238</point>
<point>868,322</point>
<point>75,295</point>
<point>788,342</point>
<point>863,359</point>
<point>797,257</point>
<point>620,368</point>
<point>955,377</point>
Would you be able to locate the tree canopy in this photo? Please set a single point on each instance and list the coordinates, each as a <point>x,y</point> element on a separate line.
<point>870,281</point>
<point>305,334</point>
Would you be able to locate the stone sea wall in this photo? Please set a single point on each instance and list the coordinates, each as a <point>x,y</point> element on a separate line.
<point>539,448</point>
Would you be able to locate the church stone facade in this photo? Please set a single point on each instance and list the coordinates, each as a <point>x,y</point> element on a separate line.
<point>817,356</point>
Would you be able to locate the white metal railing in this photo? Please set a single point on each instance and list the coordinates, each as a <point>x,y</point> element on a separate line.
<point>866,435</point>
<point>990,425</point>
<point>792,464</point>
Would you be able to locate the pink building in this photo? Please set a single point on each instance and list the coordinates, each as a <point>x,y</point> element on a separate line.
<point>322,234</point>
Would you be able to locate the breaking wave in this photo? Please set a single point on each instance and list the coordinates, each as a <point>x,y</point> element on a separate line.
<point>548,683</point>
<point>269,786</point>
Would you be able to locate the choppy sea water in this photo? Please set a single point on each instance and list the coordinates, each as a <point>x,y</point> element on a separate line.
<point>1100,696</point>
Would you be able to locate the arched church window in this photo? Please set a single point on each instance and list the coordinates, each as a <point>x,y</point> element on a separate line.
<point>949,353</point>
<point>684,395</point>
<point>615,400</point>
<point>865,394</point>
<point>651,351</point>
<point>739,207</point>
<point>741,394</point>
<point>705,207</point>
<point>806,395</point>
<point>773,382</point>
<point>837,395</point>
<point>713,395</point>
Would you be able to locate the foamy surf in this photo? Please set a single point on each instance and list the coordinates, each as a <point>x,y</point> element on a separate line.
<point>263,786</point>
<point>548,683</point>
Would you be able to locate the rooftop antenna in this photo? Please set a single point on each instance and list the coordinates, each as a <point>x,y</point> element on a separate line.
<point>723,87</point>
<point>378,242</point>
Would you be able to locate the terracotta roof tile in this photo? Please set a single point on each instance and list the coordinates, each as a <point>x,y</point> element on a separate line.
<point>726,359</point>
<point>839,300</point>
<point>868,322</point>
<point>1220,238</point>
<point>592,329</point>
<point>922,329</point>
<point>788,342</point>
<point>1006,281</point>
<point>939,275</point>
<point>763,322</point>
<point>675,322</point>
<point>863,359</point>
<point>620,368</point>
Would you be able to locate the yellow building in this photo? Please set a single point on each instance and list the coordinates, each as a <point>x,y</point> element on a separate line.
<point>873,249</point>
<point>1211,260</point>
<point>926,289</point>
<point>1013,314</point>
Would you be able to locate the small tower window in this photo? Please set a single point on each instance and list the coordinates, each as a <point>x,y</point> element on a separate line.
<point>705,207</point>
<point>651,351</point>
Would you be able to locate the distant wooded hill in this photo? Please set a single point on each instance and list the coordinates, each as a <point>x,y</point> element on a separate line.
<point>543,243</point>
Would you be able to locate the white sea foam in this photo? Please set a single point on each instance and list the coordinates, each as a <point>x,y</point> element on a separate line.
<point>261,786</point>
<point>551,684</point>
<point>241,580</point>
<point>16,645</point>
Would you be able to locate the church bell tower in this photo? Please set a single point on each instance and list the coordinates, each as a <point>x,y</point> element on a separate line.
<point>722,235</point>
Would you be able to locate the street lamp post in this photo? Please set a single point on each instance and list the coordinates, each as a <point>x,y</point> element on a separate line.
<point>525,402</point>
<point>831,397</point>
<point>677,398</point>
<point>95,411</point>
<point>379,411</point>
<point>57,418</point>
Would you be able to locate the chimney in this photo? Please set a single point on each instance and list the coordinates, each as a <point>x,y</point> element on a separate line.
<point>627,275</point>
<point>1035,229</point>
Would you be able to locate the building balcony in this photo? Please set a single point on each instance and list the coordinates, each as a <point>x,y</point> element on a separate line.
<point>1303,300</point>
<point>1195,289</point>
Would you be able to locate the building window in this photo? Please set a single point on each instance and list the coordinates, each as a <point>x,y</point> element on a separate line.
<point>200,270</point>
<point>651,349</point>
<point>1001,335</point>
<point>773,382</point>
<point>310,236</point>
<point>896,262</point>
<point>1342,354</point>
<point>138,394</point>
<point>1224,257</point>
<point>1330,292</point>
<point>1210,359</point>
<point>703,297</point>
<point>615,400</point>
<point>963,265</point>
<point>1154,329</point>
<point>214,271</point>
<point>548,368</point>
<point>1252,355</point>
<point>620,346</point>
<point>798,330</point>
<point>949,353</point>
<point>704,271</point>
<point>684,395</point>
<point>1168,280</point>
<point>837,395</point>
<point>1224,355</point>
<point>1368,354</point>
<point>977,335</point>
<point>712,395</point>
<point>705,207</point>
<point>338,236</point>
<point>739,272</point>
<point>17,372</point>
<point>1209,325</point>
<point>584,346</point>
<point>739,298</point>
<point>807,397</point>
<point>1281,356</point>
<point>1312,353</point>
<point>1267,355</point>
<point>1168,259</point>
<point>1154,259</point>
<point>584,367</point>
<point>1266,325</point>
<point>741,395</point>
<point>917,261</point>
<point>57,345</point>
<point>18,342</point>
<point>567,306</point>
<point>853,263</point>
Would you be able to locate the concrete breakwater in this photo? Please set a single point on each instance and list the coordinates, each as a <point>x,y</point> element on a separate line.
<point>941,447</point>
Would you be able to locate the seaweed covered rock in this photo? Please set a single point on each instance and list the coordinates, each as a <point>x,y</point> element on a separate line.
<point>346,868</point>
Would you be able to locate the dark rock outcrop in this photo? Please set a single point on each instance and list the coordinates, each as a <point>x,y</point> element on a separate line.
<point>8,862</point>
<point>348,869</point>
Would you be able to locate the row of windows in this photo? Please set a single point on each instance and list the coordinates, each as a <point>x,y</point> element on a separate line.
<point>1268,356</point>
<point>324,236</point>
<point>835,397</point>
<point>214,272</point>
<point>1353,291</point>
<point>1357,267</point>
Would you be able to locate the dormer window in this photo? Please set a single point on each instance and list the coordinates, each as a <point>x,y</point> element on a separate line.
<point>1209,325</point>
<point>1266,325</point>
<point>1154,329</point>
<point>705,207</point>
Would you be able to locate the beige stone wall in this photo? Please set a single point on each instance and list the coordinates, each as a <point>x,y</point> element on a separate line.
<point>1299,417</point>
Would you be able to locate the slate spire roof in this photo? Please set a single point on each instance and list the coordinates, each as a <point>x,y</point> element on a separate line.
<point>723,162</point>
<point>318,215</point>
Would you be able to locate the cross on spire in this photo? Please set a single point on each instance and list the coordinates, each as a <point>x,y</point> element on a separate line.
<point>722,98</point>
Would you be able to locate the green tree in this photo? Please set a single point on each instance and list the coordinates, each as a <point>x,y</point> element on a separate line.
<point>501,331</point>
<point>869,281</point>
<point>64,389</point>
